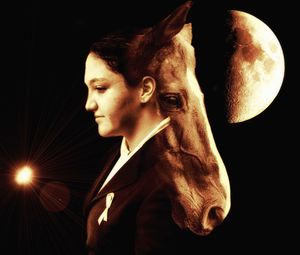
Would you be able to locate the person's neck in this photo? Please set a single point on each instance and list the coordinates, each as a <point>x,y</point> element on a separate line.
<point>143,126</point>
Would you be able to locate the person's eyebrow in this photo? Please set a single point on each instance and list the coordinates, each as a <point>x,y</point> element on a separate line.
<point>94,80</point>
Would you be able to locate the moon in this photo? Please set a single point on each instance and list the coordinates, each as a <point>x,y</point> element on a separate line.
<point>255,69</point>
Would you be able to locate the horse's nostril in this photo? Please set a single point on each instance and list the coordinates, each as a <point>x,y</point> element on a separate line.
<point>215,216</point>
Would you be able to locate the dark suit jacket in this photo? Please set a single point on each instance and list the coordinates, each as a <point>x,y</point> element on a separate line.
<point>139,219</point>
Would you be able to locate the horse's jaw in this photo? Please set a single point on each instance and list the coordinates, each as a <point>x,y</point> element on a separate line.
<point>196,182</point>
<point>199,200</point>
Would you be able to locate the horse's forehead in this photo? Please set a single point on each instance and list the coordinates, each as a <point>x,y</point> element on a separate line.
<point>186,33</point>
<point>193,84</point>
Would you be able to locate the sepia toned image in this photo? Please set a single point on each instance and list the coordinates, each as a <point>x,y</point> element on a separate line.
<point>145,128</point>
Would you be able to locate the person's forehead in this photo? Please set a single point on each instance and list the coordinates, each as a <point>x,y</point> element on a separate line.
<point>96,69</point>
<point>94,61</point>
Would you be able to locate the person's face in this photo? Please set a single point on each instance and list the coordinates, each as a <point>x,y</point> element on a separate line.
<point>115,105</point>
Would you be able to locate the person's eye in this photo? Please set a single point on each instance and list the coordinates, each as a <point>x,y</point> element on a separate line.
<point>100,88</point>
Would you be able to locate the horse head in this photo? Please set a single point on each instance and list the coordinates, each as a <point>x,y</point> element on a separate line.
<point>189,161</point>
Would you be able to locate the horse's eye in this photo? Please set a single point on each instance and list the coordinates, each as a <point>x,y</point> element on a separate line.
<point>171,101</point>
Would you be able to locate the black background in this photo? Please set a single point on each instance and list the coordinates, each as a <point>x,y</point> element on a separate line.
<point>43,123</point>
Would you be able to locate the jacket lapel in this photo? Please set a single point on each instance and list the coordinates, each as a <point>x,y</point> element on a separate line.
<point>127,175</point>
<point>114,155</point>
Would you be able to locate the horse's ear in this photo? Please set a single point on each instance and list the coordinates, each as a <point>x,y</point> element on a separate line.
<point>165,30</point>
<point>141,53</point>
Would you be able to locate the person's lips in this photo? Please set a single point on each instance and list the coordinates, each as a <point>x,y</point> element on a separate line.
<point>97,117</point>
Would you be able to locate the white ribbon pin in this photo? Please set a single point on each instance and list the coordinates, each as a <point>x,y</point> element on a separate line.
<point>104,214</point>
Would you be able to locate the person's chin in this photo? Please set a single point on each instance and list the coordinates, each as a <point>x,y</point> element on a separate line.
<point>104,133</point>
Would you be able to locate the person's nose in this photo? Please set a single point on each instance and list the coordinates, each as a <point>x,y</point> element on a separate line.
<point>90,104</point>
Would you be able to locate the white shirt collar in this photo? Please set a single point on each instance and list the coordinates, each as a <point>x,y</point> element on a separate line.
<point>124,151</point>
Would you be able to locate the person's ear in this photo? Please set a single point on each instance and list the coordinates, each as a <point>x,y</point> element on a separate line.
<point>148,88</point>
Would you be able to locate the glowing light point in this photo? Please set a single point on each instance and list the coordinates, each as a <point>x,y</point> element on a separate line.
<point>24,176</point>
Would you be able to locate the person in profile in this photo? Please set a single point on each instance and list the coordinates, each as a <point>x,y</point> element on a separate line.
<point>165,185</point>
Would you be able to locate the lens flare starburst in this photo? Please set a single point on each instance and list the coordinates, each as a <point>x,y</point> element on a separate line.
<point>24,175</point>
